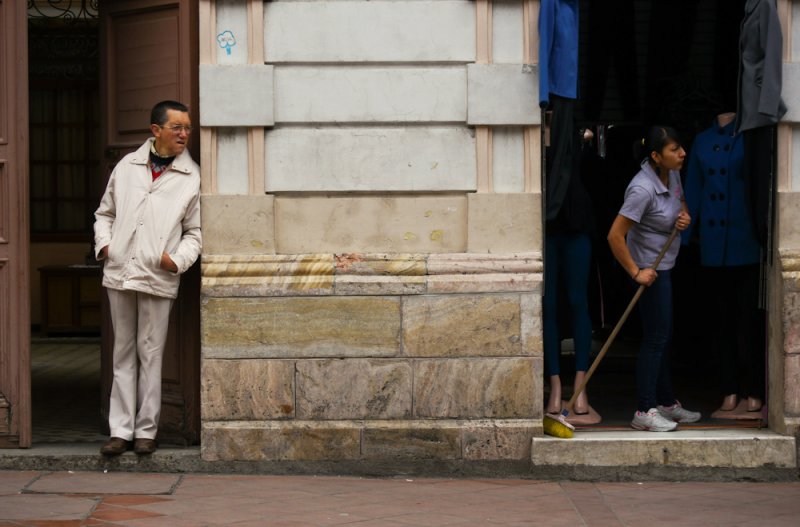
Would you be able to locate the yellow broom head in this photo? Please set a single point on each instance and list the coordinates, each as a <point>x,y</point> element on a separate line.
<point>557,427</point>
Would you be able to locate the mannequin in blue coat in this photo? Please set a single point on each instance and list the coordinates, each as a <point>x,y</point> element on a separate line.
<point>729,254</point>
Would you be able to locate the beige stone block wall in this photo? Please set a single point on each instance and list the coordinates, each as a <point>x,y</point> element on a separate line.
<point>293,327</point>
<point>395,224</point>
<point>784,359</point>
<point>504,223</point>
<point>422,374</point>
<point>462,326</point>
<point>374,307</point>
<point>273,441</point>
<point>422,224</point>
<point>238,224</point>
<point>354,389</point>
<point>371,442</point>
<point>398,441</point>
<point>477,388</point>
<point>789,220</point>
<point>247,389</point>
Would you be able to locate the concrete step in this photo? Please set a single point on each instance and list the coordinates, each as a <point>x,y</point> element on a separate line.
<point>689,454</point>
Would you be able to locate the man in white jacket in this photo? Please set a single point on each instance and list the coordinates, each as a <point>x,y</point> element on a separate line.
<point>147,231</point>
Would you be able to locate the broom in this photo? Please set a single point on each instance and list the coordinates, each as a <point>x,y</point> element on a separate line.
<point>558,426</point>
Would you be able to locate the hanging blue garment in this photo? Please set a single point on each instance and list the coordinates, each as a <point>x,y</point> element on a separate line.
<point>715,197</point>
<point>558,49</point>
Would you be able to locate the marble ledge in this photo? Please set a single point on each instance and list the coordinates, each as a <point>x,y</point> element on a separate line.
<point>369,274</point>
<point>370,264</point>
<point>380,264</point>
<point>790,269</point>
<point>478,263</point>
<point>267,265</point>
<point>273,286</point>
<point>485,283</point>
<point>790,259</point>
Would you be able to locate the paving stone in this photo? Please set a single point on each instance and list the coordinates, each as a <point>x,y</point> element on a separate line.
<point>104,483</point>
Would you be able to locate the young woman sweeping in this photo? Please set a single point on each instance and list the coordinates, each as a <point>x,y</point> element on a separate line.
<point>653,206</point>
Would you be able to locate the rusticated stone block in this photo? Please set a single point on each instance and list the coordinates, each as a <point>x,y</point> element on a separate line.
<point>247,389</point>
<point>489,439</point>
<point>531,324</point>
<point>789,214</point>
<point>791,385</point>
<point>461,325</point>
<point>477,388</point>
<point>238,224</point>
<point>412,440</point>
<point>353,389</point>
<point>504,223</point>
<point>791,322</point>
<point>280,441</point>
<point>377,224</point>
<point>300,327</point>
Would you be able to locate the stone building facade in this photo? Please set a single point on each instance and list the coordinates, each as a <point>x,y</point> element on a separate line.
<point>372,268</point>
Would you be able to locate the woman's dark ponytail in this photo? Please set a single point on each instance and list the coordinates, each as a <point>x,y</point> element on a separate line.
<point>655,140</point>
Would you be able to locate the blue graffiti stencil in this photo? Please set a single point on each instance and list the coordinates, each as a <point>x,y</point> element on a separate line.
<point>226,40</point>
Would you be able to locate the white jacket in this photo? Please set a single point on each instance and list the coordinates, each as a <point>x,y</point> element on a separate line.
<point>139,219</point>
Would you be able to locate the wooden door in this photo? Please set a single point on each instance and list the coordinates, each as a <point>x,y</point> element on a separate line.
<point>15,327</point>
<point>149,53</point>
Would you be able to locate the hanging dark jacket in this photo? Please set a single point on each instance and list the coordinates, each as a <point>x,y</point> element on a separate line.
<point>760,67</point>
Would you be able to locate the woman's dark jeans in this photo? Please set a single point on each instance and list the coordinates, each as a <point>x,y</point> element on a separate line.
<point>653,379</point>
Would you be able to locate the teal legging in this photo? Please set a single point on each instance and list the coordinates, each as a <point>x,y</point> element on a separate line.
<point>570,255</point>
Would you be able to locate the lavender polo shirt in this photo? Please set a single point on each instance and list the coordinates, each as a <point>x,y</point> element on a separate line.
<point>654,209</point>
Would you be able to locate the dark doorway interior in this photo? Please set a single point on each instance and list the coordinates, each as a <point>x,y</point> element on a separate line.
<point>645,62</point>
<point>64,191</point>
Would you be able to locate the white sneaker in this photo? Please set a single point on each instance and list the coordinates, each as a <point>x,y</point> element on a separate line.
<point>652,421</point>
<point>678,413</point>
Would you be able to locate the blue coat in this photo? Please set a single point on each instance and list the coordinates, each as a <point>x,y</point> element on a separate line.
<point>558,49</point>
<point>715,197</point>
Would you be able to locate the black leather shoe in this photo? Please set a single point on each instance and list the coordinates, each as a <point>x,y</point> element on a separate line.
<point>114,447</point>
<point>144,446</point>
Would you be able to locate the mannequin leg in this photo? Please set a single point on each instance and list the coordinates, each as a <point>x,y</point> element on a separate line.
<point>729,402</point>
<point>554,401</point>
<point>724,321</point>
<point>581,406</point>
<point>754,404</point>
<point>577,266</point>
<point>552,339</point>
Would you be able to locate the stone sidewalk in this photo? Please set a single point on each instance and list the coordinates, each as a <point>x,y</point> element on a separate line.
<point>67,499</point>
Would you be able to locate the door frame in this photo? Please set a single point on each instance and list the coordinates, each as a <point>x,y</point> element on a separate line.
<point>15,337</point>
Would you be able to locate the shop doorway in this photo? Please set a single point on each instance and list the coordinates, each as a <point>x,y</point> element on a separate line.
<point>645,62</point>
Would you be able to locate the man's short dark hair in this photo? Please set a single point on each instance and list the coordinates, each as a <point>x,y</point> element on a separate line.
<point>158,115</point>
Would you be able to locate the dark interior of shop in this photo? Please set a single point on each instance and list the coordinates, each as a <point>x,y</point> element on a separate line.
<point>647,62</point>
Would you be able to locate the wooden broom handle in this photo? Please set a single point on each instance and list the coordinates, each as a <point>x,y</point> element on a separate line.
<point>616,329</point>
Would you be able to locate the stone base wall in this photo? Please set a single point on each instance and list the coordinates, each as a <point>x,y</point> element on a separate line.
<point>371,357</point>
<point>785,368</point>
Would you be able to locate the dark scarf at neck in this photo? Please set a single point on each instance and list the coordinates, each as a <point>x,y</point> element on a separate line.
<point>158,163</point>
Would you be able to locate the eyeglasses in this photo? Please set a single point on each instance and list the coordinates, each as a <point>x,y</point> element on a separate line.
<point>178,128</point>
